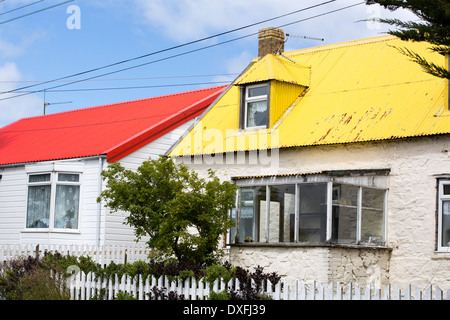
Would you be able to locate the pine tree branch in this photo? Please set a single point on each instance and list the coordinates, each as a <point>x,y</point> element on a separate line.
<point>428,67</point>
<point>433,28</point>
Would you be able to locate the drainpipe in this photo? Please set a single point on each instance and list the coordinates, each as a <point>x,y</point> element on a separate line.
<point>99,205</point>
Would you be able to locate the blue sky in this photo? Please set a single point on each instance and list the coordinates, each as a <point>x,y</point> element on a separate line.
<point>52,39</point>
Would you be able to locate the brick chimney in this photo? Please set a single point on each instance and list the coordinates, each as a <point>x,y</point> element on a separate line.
<point>271,40</point>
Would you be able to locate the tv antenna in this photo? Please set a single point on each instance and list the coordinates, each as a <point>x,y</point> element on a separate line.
<point>303,37</point>
<point>52,103</point>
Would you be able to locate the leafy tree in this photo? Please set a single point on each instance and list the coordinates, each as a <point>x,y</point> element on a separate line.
<point>182,214</point>
<point>433,27</point>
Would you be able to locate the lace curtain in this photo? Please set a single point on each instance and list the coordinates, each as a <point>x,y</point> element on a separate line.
<point>66,206</point>
<point>38,208</point>
<point>67,198</point>
<point>257,114</point>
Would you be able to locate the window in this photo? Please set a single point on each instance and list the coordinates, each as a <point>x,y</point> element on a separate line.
<point>312,212</point>
<point>358,214</point>
<point>53,201</point>
<point>38,209</point>
<point>444,215</point>
<point>290,210</point>
<point>255,106</point>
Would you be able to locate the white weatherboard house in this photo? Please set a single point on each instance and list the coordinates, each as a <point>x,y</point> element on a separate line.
<point>341,155</point>
<point>50,166</point>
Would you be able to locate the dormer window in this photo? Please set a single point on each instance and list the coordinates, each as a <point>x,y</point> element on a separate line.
<point>267,89</point>
<point>255,106</point>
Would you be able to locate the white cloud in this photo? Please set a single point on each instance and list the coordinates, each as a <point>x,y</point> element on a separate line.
<point>235,64</point>
<point>10,50</point>
<point>185,20</point>
<point>17,108</point>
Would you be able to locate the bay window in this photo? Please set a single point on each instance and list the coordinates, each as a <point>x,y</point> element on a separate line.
<point>53,201</point>
<point>314,210</point>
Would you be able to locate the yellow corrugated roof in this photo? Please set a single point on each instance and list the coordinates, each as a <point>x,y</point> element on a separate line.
<point>276,67</point>
<point>358,91</point>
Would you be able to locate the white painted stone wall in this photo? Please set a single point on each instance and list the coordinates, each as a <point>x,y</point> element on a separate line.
<point>317,263</point>
<point>292,263</point>
<point>411,207</point>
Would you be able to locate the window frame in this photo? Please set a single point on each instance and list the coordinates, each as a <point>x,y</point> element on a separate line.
<point>441,199</point>
<point>35,184</point>
<point>245,100</point>
<point>298,182</point>
<point>53,183</point>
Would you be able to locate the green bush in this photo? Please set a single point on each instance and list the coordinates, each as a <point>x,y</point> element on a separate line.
<point>121,295</point>
<point>30,278</point>
<point>223,295</point>
<point>41,285</point>
<point>220,271</point>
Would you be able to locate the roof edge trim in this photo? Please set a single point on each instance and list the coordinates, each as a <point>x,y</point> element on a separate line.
<point>159,129</point>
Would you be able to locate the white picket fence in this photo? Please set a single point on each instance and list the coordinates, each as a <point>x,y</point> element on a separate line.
<point>100,254</point>
<point>86,286</point>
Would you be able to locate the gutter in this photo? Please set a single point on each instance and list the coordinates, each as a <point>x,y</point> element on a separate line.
<point>21,164</point>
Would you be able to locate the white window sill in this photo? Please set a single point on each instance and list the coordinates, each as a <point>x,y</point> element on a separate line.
<point>316,245</point>
<point>442,253</point>
<point>71,231</point>
<point>255,128</point>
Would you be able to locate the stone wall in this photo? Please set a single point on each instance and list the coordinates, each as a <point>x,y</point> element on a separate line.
<point>292,263</point>
<point>363,265</point>
<point>411,217</point>
<point>317,263</point>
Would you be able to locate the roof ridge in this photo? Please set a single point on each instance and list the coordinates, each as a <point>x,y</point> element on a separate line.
<point>116,104</point>
<point>343,44</point>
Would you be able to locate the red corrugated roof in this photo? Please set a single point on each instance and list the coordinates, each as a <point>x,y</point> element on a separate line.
<point>114,130</point>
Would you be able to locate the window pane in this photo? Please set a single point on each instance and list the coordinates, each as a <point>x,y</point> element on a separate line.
<point>373,198</point>
<point>372,216</point>
<point>344,220</point>
<point>345,195</point>
<point>446,224</point>
<point>372,226</point>
<point>256,114</point>
<point>281,215</point>
<point>251,200</point>
<point>257,91</point>
<point>446,189</point>
<point>313,212</point>
<point>68,177</point>
<point>233,229</point>
<point>344,224</point>
<point>39,177</point>
<point>38,206</point>
<point>66,207</point>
